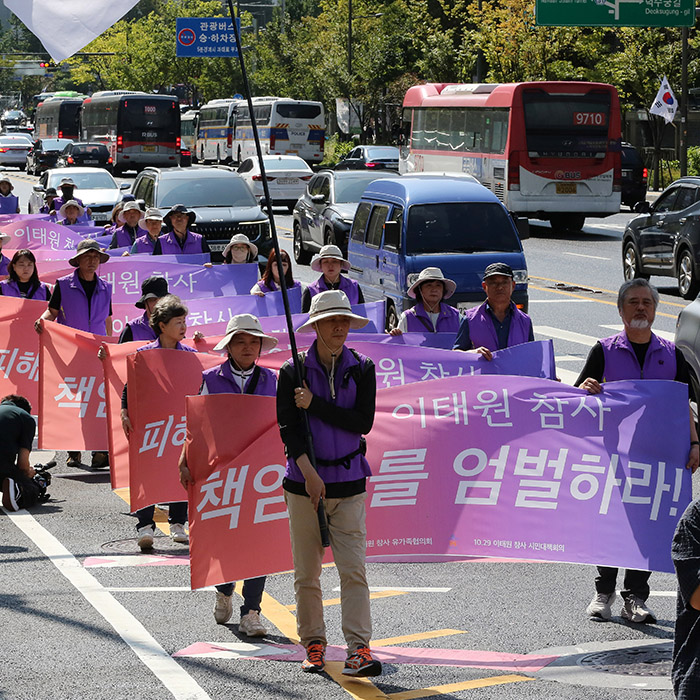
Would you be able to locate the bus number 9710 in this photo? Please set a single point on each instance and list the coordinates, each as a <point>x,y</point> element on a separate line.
<point>589,119</point>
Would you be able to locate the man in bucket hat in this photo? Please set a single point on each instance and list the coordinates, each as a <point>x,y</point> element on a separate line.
<point>152,289</point>
<point>70,213</point>
<point>339,397</point>
<point>152,222</point>
<point>49,195</point>
<point>67,187</point>
<point>330,262</point>
<point>129,217</point>
<point>9,203</point>
<point>179,238</point>
<point>498,323</point>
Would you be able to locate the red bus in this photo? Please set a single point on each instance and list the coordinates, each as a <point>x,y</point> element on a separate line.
<point>548,150</point>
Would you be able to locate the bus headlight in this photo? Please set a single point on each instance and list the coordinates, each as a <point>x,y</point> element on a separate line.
<point>520,276</point>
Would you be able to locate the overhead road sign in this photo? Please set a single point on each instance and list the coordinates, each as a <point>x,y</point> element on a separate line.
<point>205,37</point>
<point>615,13</point>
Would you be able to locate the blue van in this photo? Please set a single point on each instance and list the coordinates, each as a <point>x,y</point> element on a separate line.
<point>406,224</point>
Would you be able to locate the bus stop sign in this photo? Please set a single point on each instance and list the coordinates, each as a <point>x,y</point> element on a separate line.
<point>206,37</point>
<point>615,13</point>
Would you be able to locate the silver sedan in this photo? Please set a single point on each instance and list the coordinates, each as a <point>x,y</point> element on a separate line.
<point>13,151</point>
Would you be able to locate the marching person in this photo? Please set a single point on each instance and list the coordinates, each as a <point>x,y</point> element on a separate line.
<point>270,279</point>
<point>4,260</point>
<point>152,222</point>
<point>70,213</point>
<point>152,289</point>
<point>129,217</point>
<point>169,322</point>
<point>113,224</point>
<point>330,262</point>
<point>430,313</point>
<point>17,428</point>
<point>239,374</point>
<point>47,207</point>
<point>498,323</point>
<point>240,249</point>
<point>635,353</point>
<point>339,396</point>
<point>179,239</point>
<point>67,187</point>
<point>9,203</point>
<point>24,279</point>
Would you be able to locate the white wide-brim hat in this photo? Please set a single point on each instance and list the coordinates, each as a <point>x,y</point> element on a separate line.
<point>71,203</point>
<point>329,251</point>
<point>331,303</point>
<point>430,274</point>
<point>129,206</point>
<point>246,323</point>
<point>6,179</point>
<point>241,239</point>
<point>152,214</point>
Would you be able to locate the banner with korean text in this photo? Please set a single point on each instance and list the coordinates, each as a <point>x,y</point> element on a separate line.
<point>40,233</point>
<point>485,466</point>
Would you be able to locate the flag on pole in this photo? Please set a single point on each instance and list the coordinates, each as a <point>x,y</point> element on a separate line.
<point>67,26</point>
<point>665,103</point>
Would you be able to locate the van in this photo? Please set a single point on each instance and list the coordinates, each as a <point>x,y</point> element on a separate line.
<point>406,224</point>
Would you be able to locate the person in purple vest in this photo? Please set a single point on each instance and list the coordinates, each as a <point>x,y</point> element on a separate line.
<point>330,261</point>
<point>9,203</point>
<point>498,323</point>
<point>430,312</point>
<point>4,260</point>
<point>179,239</point>
<point>152,289</point>
<point>47,207</point>
<point>240,249</point>
<point>239,374</point>
<point>24,279</point>
<point>113,224</point>
<point>129,218</point>
<point>169,322</point>
<point>339,396</point>
<point>635,353</point>
<point>67,187</point>
<point>271,277</point>
<point>70,213</point>
<point>153,223</point>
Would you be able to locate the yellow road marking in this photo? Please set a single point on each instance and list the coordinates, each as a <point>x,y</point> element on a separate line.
<point>456,687</point>
<point>372,596</point>
<point>357,688</point>
<point>160,517</point>
<point>389,641</point>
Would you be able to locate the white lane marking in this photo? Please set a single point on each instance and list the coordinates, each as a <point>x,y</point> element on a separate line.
<point>581,255</point>
<point>550,332</point>
<point>563,301</point>
<point>567,376</point>
<point>158,589</point>
<point>666,335</point>
<point>567,358</point>
<point>405,589</point>
<point>155,658</point>
<point>664,594</point>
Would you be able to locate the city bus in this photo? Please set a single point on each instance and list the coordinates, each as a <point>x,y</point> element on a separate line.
<point>188,129</point>
<point>214,141</point>
<point>58,118</point>
<point>548,150</point>
<point>138,128</point>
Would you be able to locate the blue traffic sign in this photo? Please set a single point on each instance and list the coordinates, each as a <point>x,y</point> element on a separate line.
<point>206,37</point>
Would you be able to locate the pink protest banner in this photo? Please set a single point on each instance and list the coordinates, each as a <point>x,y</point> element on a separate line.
<point>40,233</point>
<point>485,466</point>
<point>19,348</point>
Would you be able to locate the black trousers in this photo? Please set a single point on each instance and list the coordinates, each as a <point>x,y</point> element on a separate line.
<point>635,583</point>
<point>29,489</point>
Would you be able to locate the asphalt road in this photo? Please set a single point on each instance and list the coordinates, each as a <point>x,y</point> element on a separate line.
<point>80,619</point>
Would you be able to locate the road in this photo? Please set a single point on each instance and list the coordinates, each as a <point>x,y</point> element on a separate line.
<point>82,617</point>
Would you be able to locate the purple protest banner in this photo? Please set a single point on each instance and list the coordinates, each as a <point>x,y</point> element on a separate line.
<point>374,311</point>
<point>40,233</point>
<point>11,218</point>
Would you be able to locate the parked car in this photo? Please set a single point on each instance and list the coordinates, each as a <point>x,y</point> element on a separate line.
<point>218,196</point>
<point>665,238</point>
<point>96,187</point>
<point>44,154</point>
<point>325,211</point>
<point>286,177</point>
<point>13,151</point>
<point>81,153</point>
<point>370,158</point>
<point>634,176</point>
<point>403,225</point>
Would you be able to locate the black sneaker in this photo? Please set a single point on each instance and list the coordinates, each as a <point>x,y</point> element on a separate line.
<point>361,664</point>
<point>74,459</point>
<point>315,658</point>
<point>11,494</point>
<point>100,460</point>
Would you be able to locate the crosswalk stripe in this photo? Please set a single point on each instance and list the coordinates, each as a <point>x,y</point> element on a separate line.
<point>571,336</point>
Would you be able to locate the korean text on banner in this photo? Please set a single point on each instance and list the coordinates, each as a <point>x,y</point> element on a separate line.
<point>41,234</point>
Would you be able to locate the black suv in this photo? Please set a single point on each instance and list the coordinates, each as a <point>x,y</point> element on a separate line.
<point>218,196</point>
<point>44,155</point>
<point>634,176</point>
<point>665,238</point>
<point>82,154</point>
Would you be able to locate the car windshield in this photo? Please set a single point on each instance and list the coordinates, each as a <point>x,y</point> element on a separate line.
<point>286,164</point>
<point>12,141</point>
<point>54,144</point>
<point>460,227</point>
<point>84,181</point>
<point>205,192</point>
<point>351,189</point>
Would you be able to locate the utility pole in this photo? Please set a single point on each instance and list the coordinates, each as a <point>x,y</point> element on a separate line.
<point>350,39</point>
<point>684,103</point>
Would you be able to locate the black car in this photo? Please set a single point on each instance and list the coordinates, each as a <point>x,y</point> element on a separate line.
<point>371,158</point>
<point>84,154</point>
<point>44,154</point>
<point>634,176</point>
<point>324,213</point>
<point>665,238</point>
<point>218,196</point>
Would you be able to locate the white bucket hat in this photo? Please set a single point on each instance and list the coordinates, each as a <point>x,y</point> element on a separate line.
<point>241,238</point>
<point>71,203</point>
<point>331,303</point>
<point>246,323</point>
<point>329,251</point>
<point>129,206</point>
<point>429,274</point>
<point>6,179</point>
<point>152,214</point>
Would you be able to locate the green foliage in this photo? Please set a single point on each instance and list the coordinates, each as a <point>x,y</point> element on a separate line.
<point>694,160</point>
<point>335,150</point>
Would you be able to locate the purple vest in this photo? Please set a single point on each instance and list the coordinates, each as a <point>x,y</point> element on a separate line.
<point>124,238</point>
<point>11,289</point>
<point>4,263</point>
<point>330,442</point>
<point>141,330</point>
<point>74,310</point>
<point>220,380</point>
<point>272,287</point>
<point>169,246</point>
<point>145,244</point>
<point>350,287</point>
<point>621,361</point>
<point>156,345</point>
<point>58,202</point>
<point>483,334</point>
<point>9,204</point>
<point>448,320</point>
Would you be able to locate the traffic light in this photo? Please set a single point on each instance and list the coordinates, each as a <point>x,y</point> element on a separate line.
<point>48,66</point>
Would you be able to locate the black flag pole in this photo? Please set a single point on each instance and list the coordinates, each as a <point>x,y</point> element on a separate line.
<point>322,522</point>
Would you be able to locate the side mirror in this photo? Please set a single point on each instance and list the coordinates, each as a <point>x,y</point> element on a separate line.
<point>392,234</point>
<point>318,198</point>
<point>642,207</point>
<point>523,226</point>
<point>38,188</point>
<point>124,185</point>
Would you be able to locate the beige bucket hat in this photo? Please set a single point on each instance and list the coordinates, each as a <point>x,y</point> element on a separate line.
<point>246,323</point>
<point>331,303</point>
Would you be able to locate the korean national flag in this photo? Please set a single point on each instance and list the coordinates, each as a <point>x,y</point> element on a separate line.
<point>665,103</point>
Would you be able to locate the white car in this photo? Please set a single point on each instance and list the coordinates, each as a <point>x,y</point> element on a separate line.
<point>287,177</point>
<point>13,150</point>
<point>94,186</point>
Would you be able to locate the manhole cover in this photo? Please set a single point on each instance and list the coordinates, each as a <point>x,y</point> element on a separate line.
<point>161,544</point>
<point>653,660</point>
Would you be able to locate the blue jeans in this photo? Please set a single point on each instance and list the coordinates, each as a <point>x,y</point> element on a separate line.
<point>252,593</point>
<point>177,513</point>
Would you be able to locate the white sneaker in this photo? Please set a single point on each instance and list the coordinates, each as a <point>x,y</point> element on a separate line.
<point>223,608</point>
<point>634,609</point>
<point>600,607</point>
<point>146,537</point>
<point>177,533</point>
<point>251,625</point>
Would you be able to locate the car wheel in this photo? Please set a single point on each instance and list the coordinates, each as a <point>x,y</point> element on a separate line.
<point>630,263</point>
<point>301,255</point>
<point>392,317</point>
<point>688,284</point>
<point>329,237</point>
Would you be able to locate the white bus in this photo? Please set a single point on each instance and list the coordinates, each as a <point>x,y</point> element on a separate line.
<point>214,136</point>
<point>188,129</point>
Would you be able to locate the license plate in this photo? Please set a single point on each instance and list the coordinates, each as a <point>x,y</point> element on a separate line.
<point>91,162</point>
<point>288,180</point>
<point>216,246</point>
<point>296,145</point>
<point>566,188</point>
<point>626,173</point>
<point>148,149</point>
<point>100,217</point>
